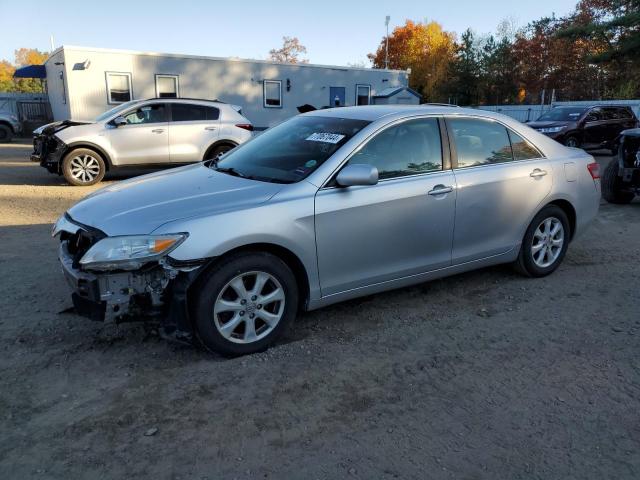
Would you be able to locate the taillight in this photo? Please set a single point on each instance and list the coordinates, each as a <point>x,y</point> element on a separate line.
<point>594,170</point>
<point>246,126</point>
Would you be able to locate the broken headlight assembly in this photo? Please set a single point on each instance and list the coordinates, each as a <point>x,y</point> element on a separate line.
<point>129,252</point>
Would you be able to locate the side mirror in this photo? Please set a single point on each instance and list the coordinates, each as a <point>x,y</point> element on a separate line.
<point>119,121</point>
<point>357,174</point>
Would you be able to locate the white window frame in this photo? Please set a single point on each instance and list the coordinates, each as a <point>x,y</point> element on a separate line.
<point>264,93</point>
<point>175,77</point>
<point>126,74</point>
<point>358,85</point>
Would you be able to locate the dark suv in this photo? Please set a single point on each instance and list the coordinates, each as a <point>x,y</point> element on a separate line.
<point>592,127</point>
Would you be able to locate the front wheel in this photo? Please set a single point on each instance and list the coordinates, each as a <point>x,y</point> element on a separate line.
<point>572,141</point>
<point>245,303</point>
<point>612,186</point>
<point>83,167</point>
<point>545,243</point>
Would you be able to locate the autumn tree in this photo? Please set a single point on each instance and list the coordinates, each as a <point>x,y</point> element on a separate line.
<point>427,50</point>
<point>289,52</point>
<point>23,57</point>
<point>613,25</point>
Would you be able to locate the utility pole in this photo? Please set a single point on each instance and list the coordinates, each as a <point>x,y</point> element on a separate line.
<point>386,48</point>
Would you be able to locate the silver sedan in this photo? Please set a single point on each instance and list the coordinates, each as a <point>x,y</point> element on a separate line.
<point>327,206</point>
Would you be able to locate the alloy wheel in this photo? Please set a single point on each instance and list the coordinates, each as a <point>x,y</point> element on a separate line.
<point>548,240</point>
<point>249,307</point>
<point>84,168</point>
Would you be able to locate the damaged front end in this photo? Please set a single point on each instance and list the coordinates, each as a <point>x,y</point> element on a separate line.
<point>48,149</point>
<point>123,279</point>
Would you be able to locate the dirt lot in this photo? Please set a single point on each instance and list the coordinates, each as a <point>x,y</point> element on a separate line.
<point>483,375</point>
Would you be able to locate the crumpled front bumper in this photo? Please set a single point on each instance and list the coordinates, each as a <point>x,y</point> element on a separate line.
<point>114,296</point>
<point>48,151</point>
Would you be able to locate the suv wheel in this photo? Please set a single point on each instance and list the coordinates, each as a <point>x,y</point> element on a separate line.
<point>572,141</point>
<point>612,185</point>
<point>545,243</point>
<point>216,152</point>
<point>82,167</point>
<point>6,134</point>
<point>245,303</point>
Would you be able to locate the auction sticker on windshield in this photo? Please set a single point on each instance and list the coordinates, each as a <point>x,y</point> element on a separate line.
<point>325,137</point>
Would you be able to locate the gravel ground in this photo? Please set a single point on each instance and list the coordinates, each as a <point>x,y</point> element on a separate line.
<point>482,375</point>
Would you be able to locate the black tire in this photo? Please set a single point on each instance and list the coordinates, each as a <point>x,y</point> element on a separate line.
<point>572,141</point>
<point>6,134</point>
<point>612,186</point>
<point>525,263</point>
<point>217,151</point>
<point>91,176</point>
<point>214,283</point>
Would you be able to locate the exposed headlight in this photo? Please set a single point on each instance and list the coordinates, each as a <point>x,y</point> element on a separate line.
<point>129,252</point>
<point>551,129</point>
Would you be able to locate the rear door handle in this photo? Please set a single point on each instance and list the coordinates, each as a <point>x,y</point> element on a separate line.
<point>210,128</point>
<point>538,173</point>
<point>157,130</point>
<point>440,190</point>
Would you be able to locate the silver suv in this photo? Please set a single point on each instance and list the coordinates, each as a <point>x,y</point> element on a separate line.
<point>327,206</point>
<point>154,132</point>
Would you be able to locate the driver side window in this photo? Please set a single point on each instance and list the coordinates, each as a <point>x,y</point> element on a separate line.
<point>154,113</point>
<point>410,148</point>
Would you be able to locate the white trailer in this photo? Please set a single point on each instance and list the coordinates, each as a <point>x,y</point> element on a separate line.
<point>83,82</point>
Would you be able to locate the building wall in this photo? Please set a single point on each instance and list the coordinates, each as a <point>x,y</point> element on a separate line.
<point>238,82</point>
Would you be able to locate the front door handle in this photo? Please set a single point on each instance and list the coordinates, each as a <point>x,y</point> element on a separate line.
<point>210,128</point>
<point>440,190</point>
<point>157,130</point>
<point>538,173</point>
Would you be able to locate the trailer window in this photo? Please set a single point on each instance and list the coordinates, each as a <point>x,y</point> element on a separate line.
<point>118,87</point>
<point>272,90</point>
<point>167,86</point>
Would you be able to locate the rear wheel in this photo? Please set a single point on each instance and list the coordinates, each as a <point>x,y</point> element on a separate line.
<point>6,134</point>
<point>545,243</point>
<point>245,303</point>
<point>218,151</point>
<point>82,167</point>
<point>612,185</point>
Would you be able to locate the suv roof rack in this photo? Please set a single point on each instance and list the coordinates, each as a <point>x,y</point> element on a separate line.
<point>183,98</point>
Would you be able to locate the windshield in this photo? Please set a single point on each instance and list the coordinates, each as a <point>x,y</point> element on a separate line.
<point>114,110</point>
<point>290,151</point>
<point>567,114</point>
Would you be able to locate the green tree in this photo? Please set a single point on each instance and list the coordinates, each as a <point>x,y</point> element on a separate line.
<point>465,71</point>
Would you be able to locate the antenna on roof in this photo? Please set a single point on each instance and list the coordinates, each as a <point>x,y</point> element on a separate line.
<point>52,43</point>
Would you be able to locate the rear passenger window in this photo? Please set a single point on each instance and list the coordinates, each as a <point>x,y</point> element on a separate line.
<point>522,150</point>
<point>410,148</point>
<point>480,142</point>
<point>184,112</point>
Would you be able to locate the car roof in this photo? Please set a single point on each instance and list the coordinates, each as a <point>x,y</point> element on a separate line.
<point>184,100</point>
<point>376,112</point>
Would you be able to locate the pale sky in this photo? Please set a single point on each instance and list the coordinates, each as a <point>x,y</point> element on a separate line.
<point>334,32</point>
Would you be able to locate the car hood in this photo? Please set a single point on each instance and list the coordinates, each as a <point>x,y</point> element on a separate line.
<point>547,124</point>
<point>55,127</point>
<point>141,205</point>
